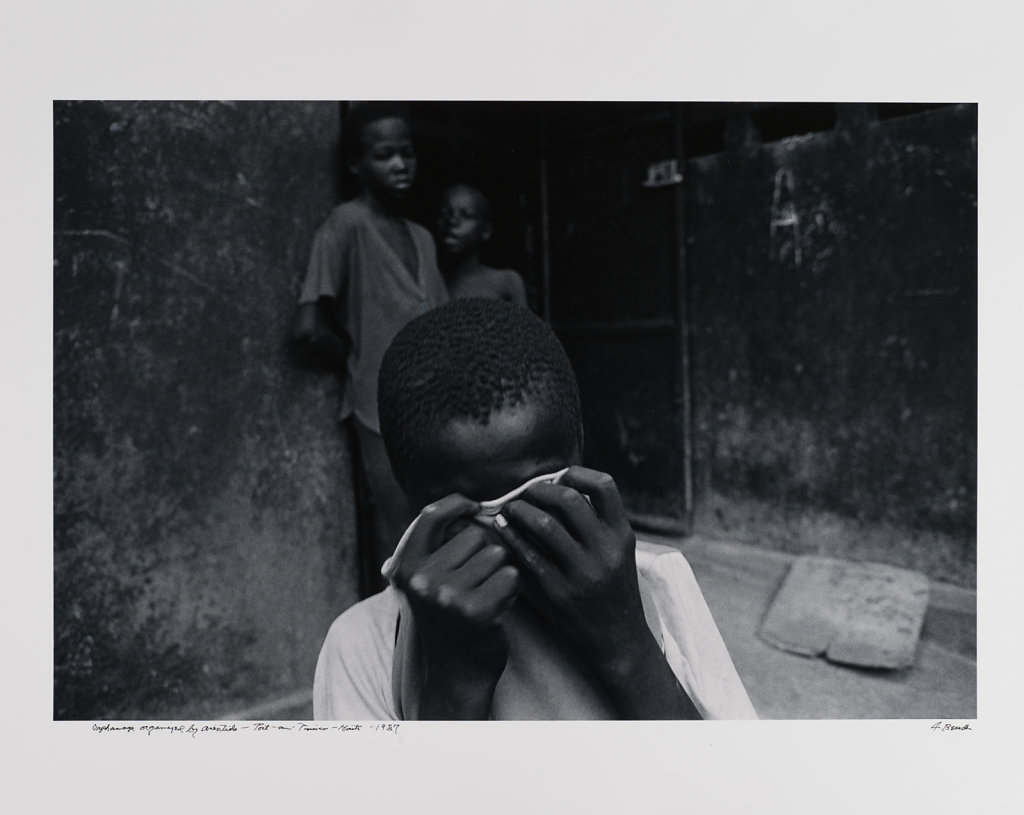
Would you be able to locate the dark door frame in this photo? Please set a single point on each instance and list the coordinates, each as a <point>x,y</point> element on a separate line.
<point>679,325</point>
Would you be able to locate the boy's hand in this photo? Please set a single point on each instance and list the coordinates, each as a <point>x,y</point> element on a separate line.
<point>458,586</point>
<point>582,556</point>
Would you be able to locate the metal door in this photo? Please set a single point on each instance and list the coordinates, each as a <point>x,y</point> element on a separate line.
<point>615,284</point>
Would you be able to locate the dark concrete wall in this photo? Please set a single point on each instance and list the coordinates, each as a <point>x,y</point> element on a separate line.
<point>834,311</point>
<point>202,486</point>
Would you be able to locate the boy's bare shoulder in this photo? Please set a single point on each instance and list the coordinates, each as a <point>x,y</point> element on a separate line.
<point>512,284</point>
<point>485,281</point>
<point>507,278</point>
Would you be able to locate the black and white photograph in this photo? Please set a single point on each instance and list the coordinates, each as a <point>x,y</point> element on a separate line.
<point>285,333</point>
<point>511,407</point>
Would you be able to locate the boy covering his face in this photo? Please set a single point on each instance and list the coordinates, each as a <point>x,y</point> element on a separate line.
<point>549,608</point>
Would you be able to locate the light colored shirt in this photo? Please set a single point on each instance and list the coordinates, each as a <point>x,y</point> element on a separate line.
<point>361,673</point>
<point>375,294</point>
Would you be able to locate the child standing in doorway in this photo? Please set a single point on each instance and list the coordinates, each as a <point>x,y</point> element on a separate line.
<point>464,225</point>
<point>370,272</point>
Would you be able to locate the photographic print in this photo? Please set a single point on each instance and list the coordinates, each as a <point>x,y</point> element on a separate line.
<point>768,318</point>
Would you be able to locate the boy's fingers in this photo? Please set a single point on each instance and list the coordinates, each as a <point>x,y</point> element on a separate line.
<point>568,505</point>
<point>544,531</point>
<point>462,547</point>
<point>497,593</point>
<point>532,559</point>
<point>600,488</point>
<point>431,523</point>
<point>483,563</point>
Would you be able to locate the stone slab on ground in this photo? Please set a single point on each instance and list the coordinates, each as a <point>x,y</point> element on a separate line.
<point>864,614</point>
<point>740,581</point>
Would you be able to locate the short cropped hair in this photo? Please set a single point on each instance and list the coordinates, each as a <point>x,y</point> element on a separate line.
<point>361,116</point>
<point>486,213</point>
<point>466,360</point>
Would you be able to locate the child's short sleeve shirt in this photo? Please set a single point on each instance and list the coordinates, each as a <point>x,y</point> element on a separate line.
<point>362,670</point>
<point>375,295</point>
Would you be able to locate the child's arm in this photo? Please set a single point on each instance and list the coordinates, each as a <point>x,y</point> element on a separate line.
<point>315,329</point>
<point>582,556</point>
<point>323,289</point>
<point>458,589</point>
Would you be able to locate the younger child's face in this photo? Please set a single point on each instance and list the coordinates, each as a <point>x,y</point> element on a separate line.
<point>462,224</point>
<point>387,165</point>
<point>486,461</point>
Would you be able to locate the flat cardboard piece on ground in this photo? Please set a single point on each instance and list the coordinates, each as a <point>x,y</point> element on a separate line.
<point>864,614</point>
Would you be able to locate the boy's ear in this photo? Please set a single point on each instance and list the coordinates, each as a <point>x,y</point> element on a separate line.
<point>485,235</point>
<point>353,165</point>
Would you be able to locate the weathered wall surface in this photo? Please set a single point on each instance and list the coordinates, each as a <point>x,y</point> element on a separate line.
<point>834,308</point>
<point>203,509</point>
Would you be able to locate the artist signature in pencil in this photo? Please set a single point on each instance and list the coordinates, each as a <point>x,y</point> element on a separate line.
<point>947,726</point>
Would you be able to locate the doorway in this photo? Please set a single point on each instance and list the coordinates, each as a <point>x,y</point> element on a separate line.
<point>616,288</point>
<point>589,208</point>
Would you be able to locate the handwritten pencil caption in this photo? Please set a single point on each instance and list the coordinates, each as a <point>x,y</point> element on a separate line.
<point>195,730</point>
